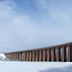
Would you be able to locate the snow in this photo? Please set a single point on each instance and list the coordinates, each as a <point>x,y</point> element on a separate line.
<point>11,66</point>
<point>2,56</point>
<point>17,66</point>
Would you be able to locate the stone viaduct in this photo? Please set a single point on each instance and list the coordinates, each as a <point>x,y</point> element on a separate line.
<point>58,53</point>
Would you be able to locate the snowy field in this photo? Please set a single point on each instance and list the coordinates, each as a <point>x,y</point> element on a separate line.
<point>10,66</point>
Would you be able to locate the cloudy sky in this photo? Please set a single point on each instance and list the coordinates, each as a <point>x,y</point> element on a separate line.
<point>26,24</point>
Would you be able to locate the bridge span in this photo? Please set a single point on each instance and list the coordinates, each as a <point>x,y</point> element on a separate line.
<point>58,53</point>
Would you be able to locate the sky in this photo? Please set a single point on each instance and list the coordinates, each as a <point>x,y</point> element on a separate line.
<point>27,24</point>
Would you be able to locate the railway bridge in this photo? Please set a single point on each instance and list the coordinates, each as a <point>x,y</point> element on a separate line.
<point>58,53</point>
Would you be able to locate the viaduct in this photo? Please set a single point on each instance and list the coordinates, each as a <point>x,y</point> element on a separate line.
<point>58,53</point>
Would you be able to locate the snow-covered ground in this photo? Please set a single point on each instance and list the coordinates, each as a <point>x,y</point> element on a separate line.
<point>10,66</point>
<point>13,66</point>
